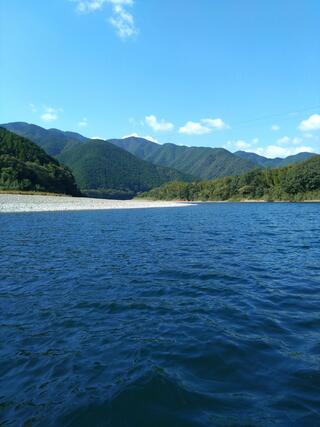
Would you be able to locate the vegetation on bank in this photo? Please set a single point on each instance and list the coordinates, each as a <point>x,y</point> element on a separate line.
<point>26,167</point>
<point>292,183</point>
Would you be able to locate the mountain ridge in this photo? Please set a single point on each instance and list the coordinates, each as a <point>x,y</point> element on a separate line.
<point>179,162</point>
<point>24,166</point>
<point>275,162</point>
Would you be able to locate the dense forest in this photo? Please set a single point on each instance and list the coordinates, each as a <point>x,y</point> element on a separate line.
<point>296,182</point>
<point>200,162</point>
<point>123,168</point>
<point>26,167</point>
<point>104,170</point>
<point>101,169</point>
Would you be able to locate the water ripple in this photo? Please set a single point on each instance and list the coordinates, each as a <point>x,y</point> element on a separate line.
<point>175,317</point>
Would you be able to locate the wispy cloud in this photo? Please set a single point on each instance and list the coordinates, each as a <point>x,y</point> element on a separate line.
<point>158,125</point>
<point>242,145</point>
<point>122,20</point>
<point>89,5</point>
<point>310,124</point>
<point>272,151</point>
<point>50,114</point>
<point>286,140</point>
<point>83,123</point>
<point>275,128</point>
<point>204,126</point>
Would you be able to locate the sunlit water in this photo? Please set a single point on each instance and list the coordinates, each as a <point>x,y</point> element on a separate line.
<point>203,316</point>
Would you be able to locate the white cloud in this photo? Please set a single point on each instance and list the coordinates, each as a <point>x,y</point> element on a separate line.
<point>50,114</point>
<point>194,128</point>
<point>158,126</point>
<point>286,140</point>
<point>272,151</point>
<point>310,124</point>
<point>89,5</point>
<point>215,123</point>
<point>98,137</point>
<point>275,128</point>
<point>242,145</point>
<point>203,127</point>
<point>121,20</point>
<point>134,134</point>
<point>83,123</point>
<point>148,137</point>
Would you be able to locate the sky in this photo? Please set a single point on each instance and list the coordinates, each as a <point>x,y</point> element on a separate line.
<point>238,74</point>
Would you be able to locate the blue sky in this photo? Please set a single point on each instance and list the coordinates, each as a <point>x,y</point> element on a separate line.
<point>243,74</point>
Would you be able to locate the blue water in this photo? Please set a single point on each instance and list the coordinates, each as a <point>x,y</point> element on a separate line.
<point>200,316</point>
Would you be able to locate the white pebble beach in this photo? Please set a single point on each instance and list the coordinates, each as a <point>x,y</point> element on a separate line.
<point>35,203</point>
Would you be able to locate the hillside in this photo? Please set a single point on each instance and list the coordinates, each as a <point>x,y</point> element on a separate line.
<point>53,141</point>
<point>273,163</point>
<point>140,147</point>
<point>102,169</point>
<point>200,162</point>
<point>26,167</point>
<point>295,182</point>
<point>183,162</point>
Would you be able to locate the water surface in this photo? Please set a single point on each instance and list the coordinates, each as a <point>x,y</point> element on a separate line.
<point>203,316</point>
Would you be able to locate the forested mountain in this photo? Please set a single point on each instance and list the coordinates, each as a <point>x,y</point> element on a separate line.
<point>140,147</point>
<point>53,141</point>
<point>125,167</point>
<point>100,168</point>
<point>200,162</point>
<point>295,182</point>
<point>26,167</point>
<point>273,163</point>
<point>103,169</point>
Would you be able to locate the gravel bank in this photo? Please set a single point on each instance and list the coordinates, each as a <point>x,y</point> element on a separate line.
<point>25,203</point>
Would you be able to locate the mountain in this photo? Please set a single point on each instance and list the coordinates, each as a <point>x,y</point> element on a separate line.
<point>53,141</point>
<point>26,167</point>
<point>273,163</point>
<point>200,162</point>
<point>101,169</point>
<point>292,183</point>
<point>139,147</point>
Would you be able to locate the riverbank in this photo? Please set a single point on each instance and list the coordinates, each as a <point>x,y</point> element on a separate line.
<point>240,201</point>
<point>39,203</point>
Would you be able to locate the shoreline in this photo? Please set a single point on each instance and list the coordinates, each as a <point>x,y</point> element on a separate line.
<point>15,203</point>
<point>241,201</point>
